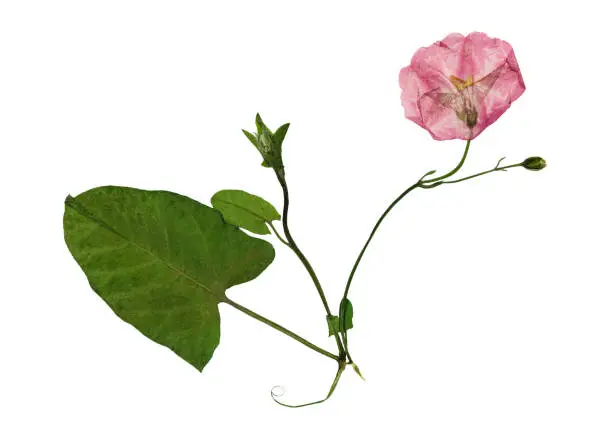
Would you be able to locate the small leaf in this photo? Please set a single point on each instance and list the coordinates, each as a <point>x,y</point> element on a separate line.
<point>245,210</point>
<point>279,135</point>
<point>162,262</point>
<point>346,310</point>
<point>333,322</point>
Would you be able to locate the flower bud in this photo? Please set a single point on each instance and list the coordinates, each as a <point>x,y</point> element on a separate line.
<point>268,143</point>
<point>265,141</point>
<point>534,163</point>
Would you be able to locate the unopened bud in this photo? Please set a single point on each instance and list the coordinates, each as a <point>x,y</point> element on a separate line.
<point>268,144</point>
<point>534,163</point>
<point>265,141</point>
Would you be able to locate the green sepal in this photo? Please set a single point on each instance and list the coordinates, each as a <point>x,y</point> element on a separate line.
<point>251,137</point>
<point>261,127</point>
<point>281,132</point>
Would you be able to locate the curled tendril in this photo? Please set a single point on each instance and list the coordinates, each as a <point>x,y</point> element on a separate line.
<point>277,394</point>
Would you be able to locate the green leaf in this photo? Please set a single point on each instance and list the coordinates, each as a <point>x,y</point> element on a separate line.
<point>162,262</point>
<point>245,210</point>
<point>346,310</point>
<point>279,135</point>
<point>333,322</point>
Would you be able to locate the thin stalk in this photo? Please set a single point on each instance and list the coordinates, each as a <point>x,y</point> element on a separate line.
<point>282,240</point>
<point>376,226</point>
<point>454,170</point>
<point>504,168</point>
<point>365,246</point>
<point>301,256</point>
<point>281,329</point>
<point>495,168</point>
<point>419,183</point>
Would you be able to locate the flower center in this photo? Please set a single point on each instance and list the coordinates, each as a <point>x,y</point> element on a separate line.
<point>464,104</point>
<point>461,84</point>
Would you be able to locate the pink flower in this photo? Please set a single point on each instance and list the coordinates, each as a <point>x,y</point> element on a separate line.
<point>457,87</point>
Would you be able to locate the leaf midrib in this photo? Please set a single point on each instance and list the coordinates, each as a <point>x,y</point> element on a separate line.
<point>220,298</point>
<point>244,209</point>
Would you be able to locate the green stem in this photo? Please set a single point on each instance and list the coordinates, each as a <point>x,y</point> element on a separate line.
<point>419,183</point>
<point>291,242</point>
<point>497,168</point>
<point>457,168</point>
<point>282,329</point>
<point>376,226</point>
<point>282,240</point>
<point>360,256</point>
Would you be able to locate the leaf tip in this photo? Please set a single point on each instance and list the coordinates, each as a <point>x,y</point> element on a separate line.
<point>356,368</point>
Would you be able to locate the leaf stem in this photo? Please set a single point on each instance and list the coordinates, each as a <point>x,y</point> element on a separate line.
<point>281,329</point>
<point>291,242</point>
<point>282,240</point>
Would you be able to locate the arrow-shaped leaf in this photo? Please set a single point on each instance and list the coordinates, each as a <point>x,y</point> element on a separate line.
<point>162,262</point>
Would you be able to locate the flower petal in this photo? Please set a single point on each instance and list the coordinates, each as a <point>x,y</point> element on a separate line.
<point>449,77</point>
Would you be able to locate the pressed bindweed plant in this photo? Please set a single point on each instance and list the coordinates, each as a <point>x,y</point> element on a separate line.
<point>163,262</point>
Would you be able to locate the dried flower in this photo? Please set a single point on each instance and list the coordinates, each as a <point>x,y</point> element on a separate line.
<point>459,86</point>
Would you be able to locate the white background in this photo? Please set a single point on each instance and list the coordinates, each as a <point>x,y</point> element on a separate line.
<point>482,309</point>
